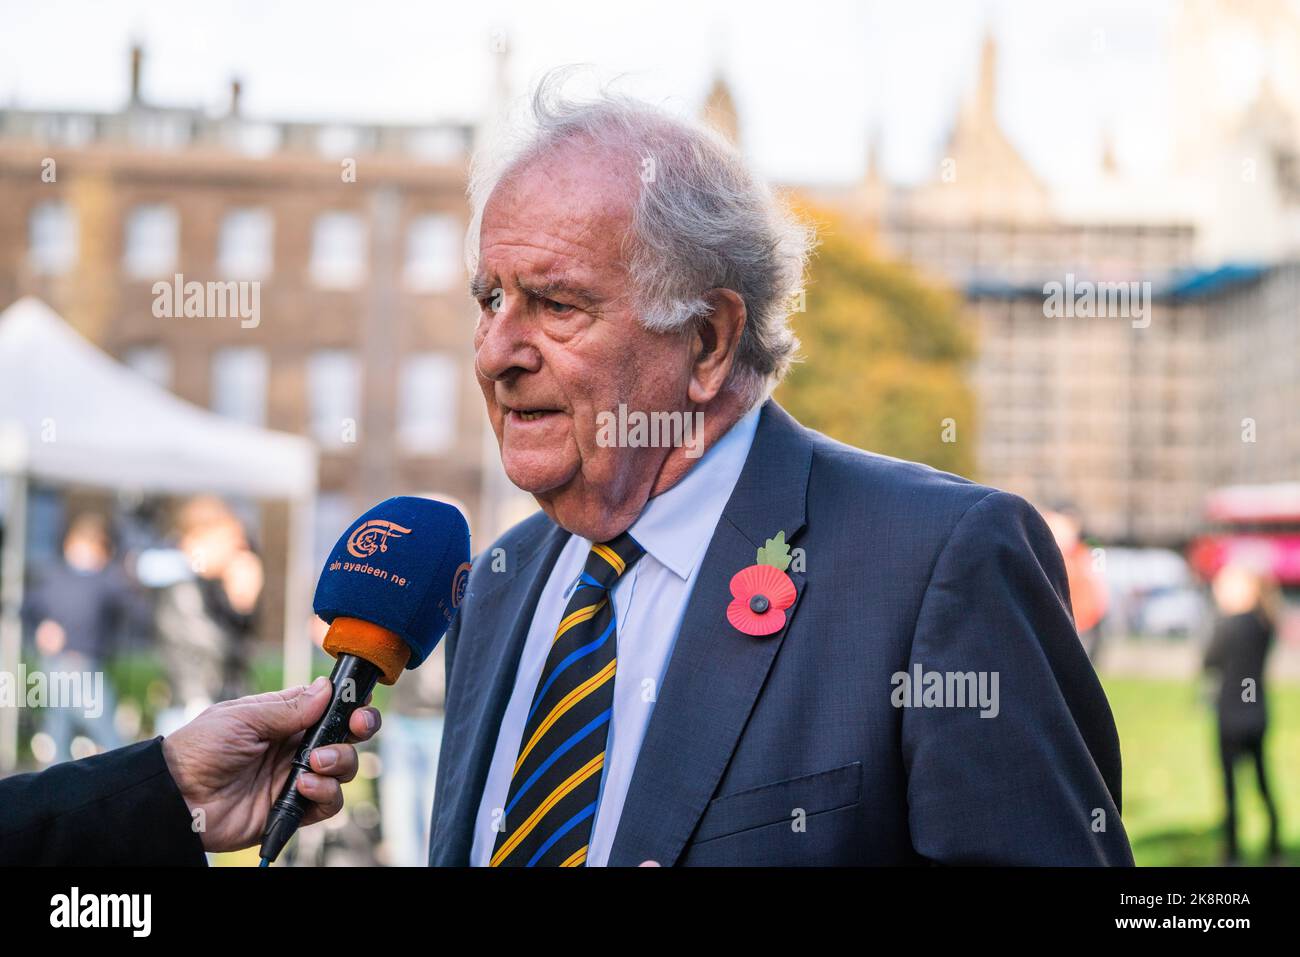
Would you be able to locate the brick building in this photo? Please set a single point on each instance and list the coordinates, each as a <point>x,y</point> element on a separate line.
<point>353,236</point>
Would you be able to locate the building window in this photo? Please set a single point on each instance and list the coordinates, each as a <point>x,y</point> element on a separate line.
<point>427,402</point>
<point>342,142</point>
<point>65,129</point>
<point>152,237</point>
<point>246,244</point>
<point>254,139</point>
<point>160,132</point>
<point>338,251</point>
<point>433,253</point>
<point>52,238</point>
<point>438,144</point>
<point>334,397</point>
<point>239,380</point>
<point>152,362</point>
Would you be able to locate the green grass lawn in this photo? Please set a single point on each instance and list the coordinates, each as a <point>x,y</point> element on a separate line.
<point>1173,804</point>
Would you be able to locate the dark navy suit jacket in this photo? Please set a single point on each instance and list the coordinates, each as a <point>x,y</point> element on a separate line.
<point>792,749</point>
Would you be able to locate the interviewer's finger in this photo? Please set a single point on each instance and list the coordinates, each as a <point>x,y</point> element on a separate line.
<point>364,723</point>
<point>326,793</point>
<point>278,714</point>
<point>335,761</point>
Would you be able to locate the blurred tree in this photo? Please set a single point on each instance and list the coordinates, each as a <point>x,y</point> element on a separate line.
<point>883,354</point>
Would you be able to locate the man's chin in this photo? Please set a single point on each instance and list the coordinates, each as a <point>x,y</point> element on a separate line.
<point>539,478</point>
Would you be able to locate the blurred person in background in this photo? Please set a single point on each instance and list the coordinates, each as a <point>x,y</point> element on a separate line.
<point>76,610</point>
<point>1247,602</point>
<point>206,609</point>
<point>1087,588</point>
<point>408,752</point>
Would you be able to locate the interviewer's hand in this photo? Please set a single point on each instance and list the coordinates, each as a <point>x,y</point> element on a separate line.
<point>232,760</point>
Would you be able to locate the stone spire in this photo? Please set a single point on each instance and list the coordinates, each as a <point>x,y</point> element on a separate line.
<point>719,110</point>
<point>983,104</point>
<point>981,175</point>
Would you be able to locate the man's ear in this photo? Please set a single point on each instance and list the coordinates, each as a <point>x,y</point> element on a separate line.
<point>715,339</point>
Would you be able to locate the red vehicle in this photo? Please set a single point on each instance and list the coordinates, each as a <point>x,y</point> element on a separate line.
<point>1260,526</point>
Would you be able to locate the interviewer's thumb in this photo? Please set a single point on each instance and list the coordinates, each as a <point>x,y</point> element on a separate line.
<point>279,714</point>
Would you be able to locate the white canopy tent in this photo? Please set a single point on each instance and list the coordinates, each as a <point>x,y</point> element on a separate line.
<point>71,414</point>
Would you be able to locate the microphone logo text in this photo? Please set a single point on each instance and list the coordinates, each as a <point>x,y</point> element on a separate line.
<point>458,584</point>
<point>372,536</point>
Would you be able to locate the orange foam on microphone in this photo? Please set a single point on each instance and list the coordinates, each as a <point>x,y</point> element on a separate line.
<point>379,646</point>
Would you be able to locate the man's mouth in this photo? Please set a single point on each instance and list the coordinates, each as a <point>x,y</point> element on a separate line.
<point>530,415</point>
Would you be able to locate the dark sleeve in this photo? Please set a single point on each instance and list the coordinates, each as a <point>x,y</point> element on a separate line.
<point>237,624</point>
<point>1221,641</point>
<point>36,606</point>
<point>1035,778</point>
<point>132,605</point>
<point>117,808</point>
<point>441,786</point>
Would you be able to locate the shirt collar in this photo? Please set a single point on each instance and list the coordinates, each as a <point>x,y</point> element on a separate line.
<point>676,526</point>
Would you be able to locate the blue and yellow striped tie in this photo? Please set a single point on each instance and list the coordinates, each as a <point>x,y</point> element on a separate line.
<point>556,782</point>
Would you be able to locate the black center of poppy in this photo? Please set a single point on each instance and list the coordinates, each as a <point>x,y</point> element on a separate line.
<point>759,604</point>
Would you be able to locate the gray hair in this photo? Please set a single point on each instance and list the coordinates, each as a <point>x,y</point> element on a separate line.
<point>701,220</point>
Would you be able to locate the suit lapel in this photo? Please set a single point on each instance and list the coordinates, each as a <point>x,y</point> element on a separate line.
<point>489,677</point>
<point>716,673</point>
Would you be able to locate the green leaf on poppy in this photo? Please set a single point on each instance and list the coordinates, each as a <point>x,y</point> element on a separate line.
<point>775,552</point>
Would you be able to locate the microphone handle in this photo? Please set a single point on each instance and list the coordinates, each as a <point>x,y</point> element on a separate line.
<point>352,679</point>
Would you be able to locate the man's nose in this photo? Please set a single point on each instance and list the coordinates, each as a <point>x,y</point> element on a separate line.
<point>506,347</point>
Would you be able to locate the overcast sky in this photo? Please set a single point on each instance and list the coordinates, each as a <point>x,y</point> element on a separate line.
<point>812,78</point>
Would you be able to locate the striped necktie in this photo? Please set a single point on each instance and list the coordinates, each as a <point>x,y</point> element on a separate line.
<point>555,785</point>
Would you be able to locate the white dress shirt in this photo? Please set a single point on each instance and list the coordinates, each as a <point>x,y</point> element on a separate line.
<point>675,529</point>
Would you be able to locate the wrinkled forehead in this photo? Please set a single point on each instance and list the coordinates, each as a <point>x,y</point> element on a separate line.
<point>576,201</point>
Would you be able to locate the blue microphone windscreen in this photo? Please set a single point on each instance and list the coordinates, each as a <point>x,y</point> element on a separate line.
<point>403,566</point>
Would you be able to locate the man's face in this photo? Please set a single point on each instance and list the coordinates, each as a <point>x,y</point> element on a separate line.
<point>559,342</point>
<point>85,552</point>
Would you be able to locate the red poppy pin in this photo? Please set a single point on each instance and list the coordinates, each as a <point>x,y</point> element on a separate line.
<point>762,592</point>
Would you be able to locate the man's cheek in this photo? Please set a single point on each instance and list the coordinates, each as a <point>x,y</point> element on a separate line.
<point>586,425</point>
<point>568,331</point>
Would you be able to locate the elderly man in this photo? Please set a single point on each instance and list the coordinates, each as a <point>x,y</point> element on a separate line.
<point>782,651</point>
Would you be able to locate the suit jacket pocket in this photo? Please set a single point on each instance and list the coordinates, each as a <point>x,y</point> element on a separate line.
<point>777,802</point>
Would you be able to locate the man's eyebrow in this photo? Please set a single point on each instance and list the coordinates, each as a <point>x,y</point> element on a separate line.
<point>558,287</point>
<point>482,286</point>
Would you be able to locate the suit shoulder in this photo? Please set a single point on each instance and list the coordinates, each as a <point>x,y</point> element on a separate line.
<point>861,478</point>
<point>521,533</point>
<point>922,503</point>
<point>513,547</point>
